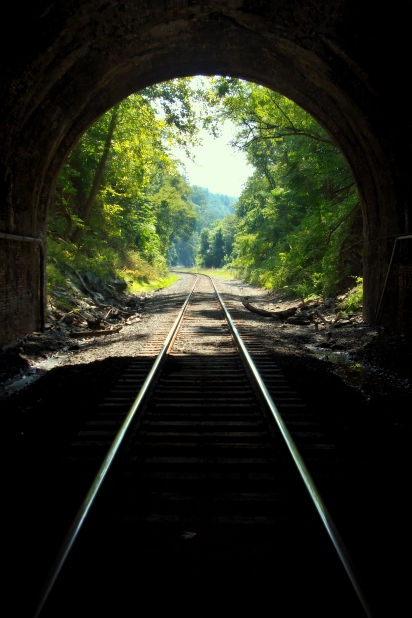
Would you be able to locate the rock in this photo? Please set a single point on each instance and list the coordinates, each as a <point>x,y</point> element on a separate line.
<point>95,323</point>
<point>93,282</point>
<point>11,347</point>
<point>310,315</point>
<point>32,349</point>
<point>73,287</point>
<point>12,363</point>
<point>119,285</point>
<point>300,321</point>
<point>68,318</point>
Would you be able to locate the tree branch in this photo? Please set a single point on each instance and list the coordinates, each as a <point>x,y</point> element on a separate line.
<point>348,214</point>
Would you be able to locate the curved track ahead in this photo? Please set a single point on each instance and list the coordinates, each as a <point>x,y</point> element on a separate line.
<point>203,506</point>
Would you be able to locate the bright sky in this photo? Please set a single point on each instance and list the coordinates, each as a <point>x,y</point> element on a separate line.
<point>217,166</point>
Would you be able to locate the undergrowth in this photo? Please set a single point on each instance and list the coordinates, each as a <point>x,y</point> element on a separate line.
<point>65,258</point>
<point>353,298</point>
<point>135,286</point>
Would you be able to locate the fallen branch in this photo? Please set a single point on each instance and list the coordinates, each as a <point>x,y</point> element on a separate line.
<point>300,320</point>
<point>125,312</point>
<point>95,333</point>
<point>267,314</point>
<point>320,316</point>
<point>287,313</point>
<point>107,314</point>
<point>341,323</point>
<point>276,315</point>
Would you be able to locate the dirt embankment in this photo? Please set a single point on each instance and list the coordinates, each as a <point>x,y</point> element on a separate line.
<point>321,331</point>
<point>85,325</point>
<point>89,322</point>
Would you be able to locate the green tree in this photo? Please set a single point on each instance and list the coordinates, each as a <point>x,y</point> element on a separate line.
<point>205,253</point>
<point>176,218</point>
<point>85,211</point>
<point>216,243</point>
<point>299,206</point>
<point>120,189</point>
<point>218,248</point>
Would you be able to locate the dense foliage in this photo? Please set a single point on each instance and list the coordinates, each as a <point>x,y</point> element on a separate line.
<point>298,224</point>
<point>120,201</point>
<point>122,206</point>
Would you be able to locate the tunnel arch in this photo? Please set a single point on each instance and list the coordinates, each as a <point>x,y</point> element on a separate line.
<point>82,58</point>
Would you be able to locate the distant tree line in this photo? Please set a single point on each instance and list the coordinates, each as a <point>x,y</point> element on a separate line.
<point>211,209</point>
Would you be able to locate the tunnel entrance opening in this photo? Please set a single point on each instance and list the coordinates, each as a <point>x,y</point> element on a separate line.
<point>121,205</point>
<point>327,59</point>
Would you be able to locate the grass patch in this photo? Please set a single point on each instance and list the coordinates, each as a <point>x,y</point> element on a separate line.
<point>54,277</point>
<point>136,285</point>
<point>353,299</point>
<point>223,273</point>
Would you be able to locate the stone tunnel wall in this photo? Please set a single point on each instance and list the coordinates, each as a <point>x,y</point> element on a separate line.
<point>396,300</point>
<point>20,296</point>
<point>342,62</point>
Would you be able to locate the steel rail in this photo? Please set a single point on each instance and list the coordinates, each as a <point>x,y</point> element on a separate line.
<point>91,495</point>
<point>302,469</point>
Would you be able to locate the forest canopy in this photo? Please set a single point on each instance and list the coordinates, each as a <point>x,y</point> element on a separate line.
<point>124,207</point>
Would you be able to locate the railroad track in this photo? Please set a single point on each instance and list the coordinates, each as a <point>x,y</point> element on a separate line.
<point>203,507</point>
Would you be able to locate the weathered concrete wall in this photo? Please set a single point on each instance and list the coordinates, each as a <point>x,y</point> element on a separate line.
<point>337,59</point>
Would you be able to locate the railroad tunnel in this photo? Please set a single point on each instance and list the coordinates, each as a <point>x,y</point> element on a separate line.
<point>65,64</point>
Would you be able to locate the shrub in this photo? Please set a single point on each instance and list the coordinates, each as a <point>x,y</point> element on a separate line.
<point>353,299</point>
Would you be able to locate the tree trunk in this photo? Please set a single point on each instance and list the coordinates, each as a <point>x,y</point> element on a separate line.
<point>85,216</point>
<point>69,220</point>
